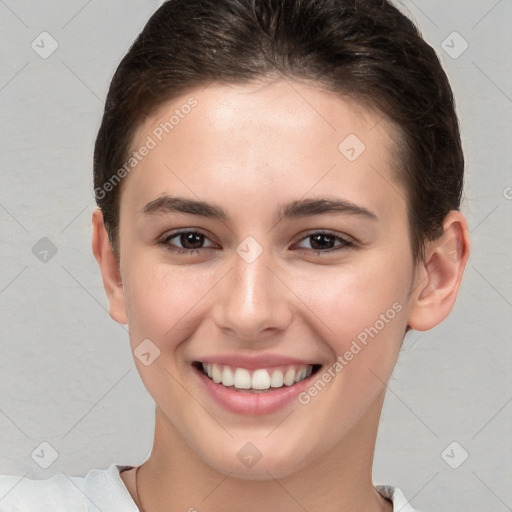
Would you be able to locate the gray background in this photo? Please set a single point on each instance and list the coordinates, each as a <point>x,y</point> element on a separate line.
<point>66,373</point>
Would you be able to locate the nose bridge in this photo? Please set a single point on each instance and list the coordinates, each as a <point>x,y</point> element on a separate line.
<point>252,298</point>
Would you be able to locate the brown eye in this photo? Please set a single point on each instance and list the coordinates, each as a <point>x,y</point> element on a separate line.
<point>323,243</point>
<point>185,241</point>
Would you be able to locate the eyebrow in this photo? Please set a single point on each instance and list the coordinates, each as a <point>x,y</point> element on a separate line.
<point>295,209</point>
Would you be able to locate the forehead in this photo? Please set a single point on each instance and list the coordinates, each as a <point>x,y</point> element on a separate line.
<point>253,139</point>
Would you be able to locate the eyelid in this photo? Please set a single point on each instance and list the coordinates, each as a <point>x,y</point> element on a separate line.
<point>342,236</point>
<point>173,234</point>
<point>347,241</point>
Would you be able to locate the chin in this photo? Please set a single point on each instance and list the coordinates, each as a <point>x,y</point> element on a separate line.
<point>249,463</point>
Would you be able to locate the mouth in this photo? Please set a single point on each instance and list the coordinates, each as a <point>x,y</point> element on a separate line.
<point>259,380</point>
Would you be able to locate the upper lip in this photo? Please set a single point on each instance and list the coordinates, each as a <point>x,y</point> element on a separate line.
<point>253,362</point>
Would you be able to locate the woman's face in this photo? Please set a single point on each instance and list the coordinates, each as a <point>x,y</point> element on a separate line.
<point>268,280</point>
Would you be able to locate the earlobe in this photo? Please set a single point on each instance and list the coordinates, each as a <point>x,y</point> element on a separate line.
<point>440,274</point>
<point>109,266</point>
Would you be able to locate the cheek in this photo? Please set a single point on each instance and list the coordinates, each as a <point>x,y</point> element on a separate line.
<point>161,301</point>
<point>348,300</point>
<point>163,305</point>
<point>363,314</point>
<point>362,317</point>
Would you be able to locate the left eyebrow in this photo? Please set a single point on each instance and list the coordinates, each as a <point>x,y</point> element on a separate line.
<point>319,206</point>
<point>293,210</point>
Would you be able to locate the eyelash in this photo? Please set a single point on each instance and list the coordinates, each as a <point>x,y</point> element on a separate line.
<point>345,243</point>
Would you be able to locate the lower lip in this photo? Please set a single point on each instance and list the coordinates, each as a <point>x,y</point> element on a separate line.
<point>252,403</point>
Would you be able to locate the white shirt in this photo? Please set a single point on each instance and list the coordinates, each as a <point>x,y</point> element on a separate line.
<point>100,490</point>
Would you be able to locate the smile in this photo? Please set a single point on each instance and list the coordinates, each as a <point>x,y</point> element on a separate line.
<point>256,385</point>
<point>257,380</point>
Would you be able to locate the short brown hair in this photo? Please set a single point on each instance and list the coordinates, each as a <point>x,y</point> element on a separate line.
<point>364,49</point>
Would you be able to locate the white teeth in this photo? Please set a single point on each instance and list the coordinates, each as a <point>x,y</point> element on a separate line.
<point>289,378</point>
<point>301,375</point>
<point>216,374</point>
<point>228,379</point>
<point>242,378</point>
<point>260,379</point>
<point>276,381</point>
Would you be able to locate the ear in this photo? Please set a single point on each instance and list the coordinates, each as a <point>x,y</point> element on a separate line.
<point>109,266</point>
<point>439,276</point>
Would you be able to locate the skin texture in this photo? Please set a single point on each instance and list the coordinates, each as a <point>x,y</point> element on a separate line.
<point>250,149</point>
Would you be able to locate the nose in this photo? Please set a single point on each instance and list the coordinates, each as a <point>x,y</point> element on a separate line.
<point>253,301</point>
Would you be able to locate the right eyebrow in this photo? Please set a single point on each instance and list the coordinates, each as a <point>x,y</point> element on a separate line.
<point>171,204</point>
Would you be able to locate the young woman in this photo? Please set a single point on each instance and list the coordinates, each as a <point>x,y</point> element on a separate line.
<point>278,184</point>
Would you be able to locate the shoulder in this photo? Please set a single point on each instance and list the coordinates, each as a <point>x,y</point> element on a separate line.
<point>100,489</point>
<point>397,497</point>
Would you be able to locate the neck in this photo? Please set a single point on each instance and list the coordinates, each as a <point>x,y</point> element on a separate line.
<point>174,478</point>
